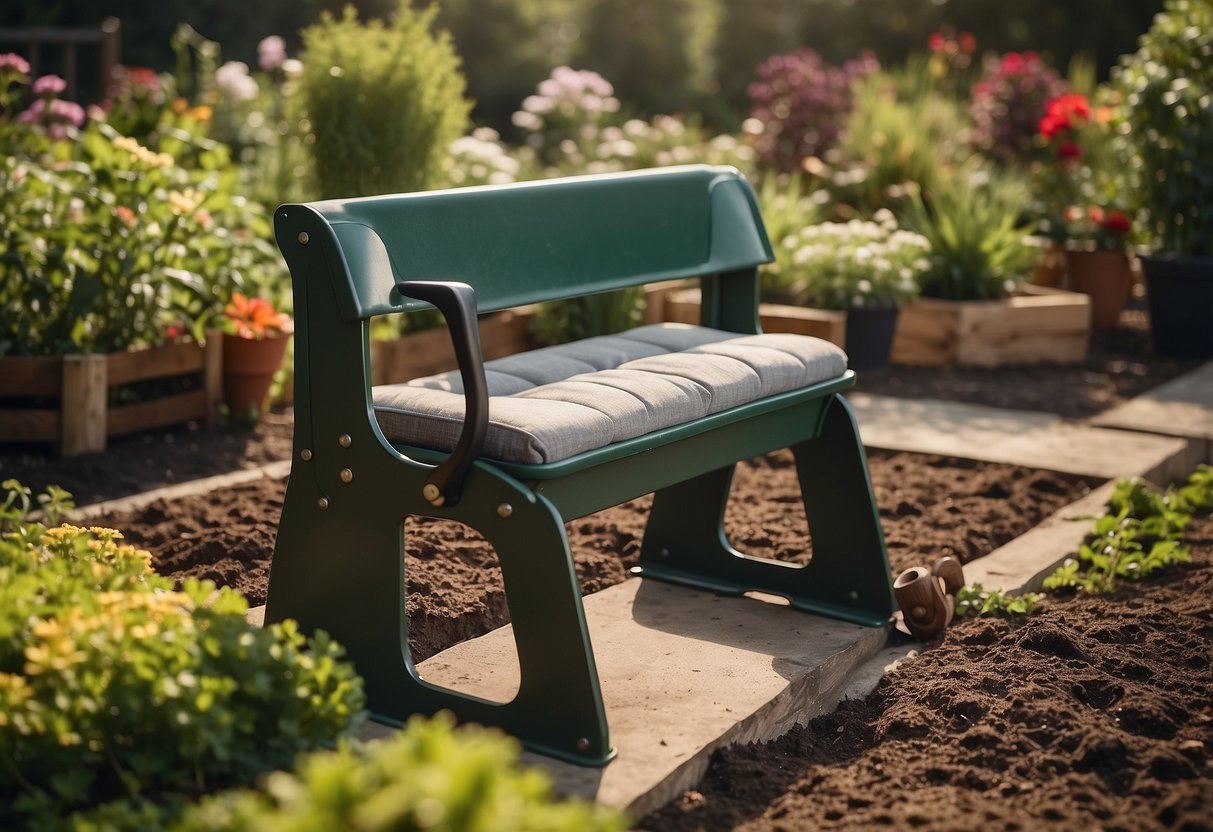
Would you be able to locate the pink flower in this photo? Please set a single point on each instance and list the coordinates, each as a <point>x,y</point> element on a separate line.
<point>49,85</point>
<point>12,62</point>
<point>937,42</point>
<point>271,53</point>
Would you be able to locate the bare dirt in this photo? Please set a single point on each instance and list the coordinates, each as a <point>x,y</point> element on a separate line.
<point>1091,713</point>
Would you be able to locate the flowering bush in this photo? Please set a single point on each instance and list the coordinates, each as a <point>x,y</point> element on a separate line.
<point>1009,102</point>
<point>1097,228</point>
<point>855,265</point>
<point>107,247</point>
<point>799,104</point>
<point>480,158</point>
<point>562,121</point>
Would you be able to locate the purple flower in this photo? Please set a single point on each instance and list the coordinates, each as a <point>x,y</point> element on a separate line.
<point>49,85</point>
<point>12,62</point>
<point>55,117</point>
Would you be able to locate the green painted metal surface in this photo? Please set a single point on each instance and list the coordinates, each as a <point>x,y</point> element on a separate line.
<point>339,558</point>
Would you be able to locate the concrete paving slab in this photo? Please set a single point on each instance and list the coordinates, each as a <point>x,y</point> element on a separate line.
<point>683,672</point>
<point>1181,407</point>
<point>1035,440</point>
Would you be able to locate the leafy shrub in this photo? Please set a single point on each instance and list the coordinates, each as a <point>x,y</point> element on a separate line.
<point>116,243</point>
<point>428,776</point>
<point>1008,103</point>
<point>1169,83</point>
<point>588,315</point>
<point>385,102</point>
<point>799,105</point>
<point>115,686</point>
<point>978,250</point>
<point>855,265</point>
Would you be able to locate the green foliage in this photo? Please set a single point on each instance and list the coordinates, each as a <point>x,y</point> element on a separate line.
<point>854,265</point>
<point>974,600</point>
<point>429,776</point>
<point>384,101</point>
<point>787,209</point>
<point>659,55</point>
<point>901,133</point>
<point>115,686</point>
<point>1141,533</point>
<point>105,243</point>
<point>1168,85</point>
<point>978,250</point>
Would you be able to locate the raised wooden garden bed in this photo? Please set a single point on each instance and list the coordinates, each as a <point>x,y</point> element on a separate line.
<point>429,351</point>
<point>73,400</point>
<point>1038,325</point>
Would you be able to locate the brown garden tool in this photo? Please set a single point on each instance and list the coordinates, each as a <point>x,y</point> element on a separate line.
<point>927,597</point>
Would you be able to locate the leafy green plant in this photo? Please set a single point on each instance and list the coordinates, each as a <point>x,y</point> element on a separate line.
<point>1167,84</point>
<point>429,776</point>
<point>588,315</point>
<point>978,250</point>
<point>384,101</point>
<point>1141,533</point>
<point>975,600</point>
<point>116,686</point>
<point>54,503</point>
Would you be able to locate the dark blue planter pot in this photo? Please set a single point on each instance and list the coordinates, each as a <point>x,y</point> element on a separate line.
<point>1180,292</point>
<point>870,337</point>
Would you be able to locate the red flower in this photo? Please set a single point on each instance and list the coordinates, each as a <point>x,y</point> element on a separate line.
<point>1118,222</point>
<point>968,43</point>
<point>937,42</point>
<point>1069,150</point>
<point>1051,124</point>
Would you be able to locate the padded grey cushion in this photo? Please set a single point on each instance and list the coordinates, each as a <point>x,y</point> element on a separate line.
<point>550,404</point>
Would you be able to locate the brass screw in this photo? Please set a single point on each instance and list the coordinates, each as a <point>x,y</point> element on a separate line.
<point>344,440</point>
<point>432,495</point>
<point>322,503</point>
<point>303,238</point>
<point>306,454</point>
<point>505,510</point>
<point>346,475</point>
<point>583,744</point>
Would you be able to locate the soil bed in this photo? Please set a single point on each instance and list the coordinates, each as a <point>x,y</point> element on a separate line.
<point>1092,713</point>
<point>929,506</point>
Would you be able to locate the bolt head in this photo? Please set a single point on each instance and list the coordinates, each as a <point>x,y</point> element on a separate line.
<point>322,503</point>
<point>304,239</point>
<point>583,744</point>
<point>344,440</point>
<point>306,454</point>
<point>505,510</point>
<point>346,475</point>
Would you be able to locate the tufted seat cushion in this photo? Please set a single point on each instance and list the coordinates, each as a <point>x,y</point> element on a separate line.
<point>553,403</point>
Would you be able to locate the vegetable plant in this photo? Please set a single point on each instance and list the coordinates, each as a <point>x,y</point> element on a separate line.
<point>975,600</point>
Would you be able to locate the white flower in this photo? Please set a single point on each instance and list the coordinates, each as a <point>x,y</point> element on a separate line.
<point>233,79</point>
<point>292,68</point>
<point>526,121</point>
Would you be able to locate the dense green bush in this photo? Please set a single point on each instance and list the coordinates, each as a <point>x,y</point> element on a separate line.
<point>1169,88</point>
<point>384,100</point>
<point>429,776</point>
<point>116,687</point>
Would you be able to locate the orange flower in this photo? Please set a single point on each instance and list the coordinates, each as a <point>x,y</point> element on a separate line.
<point>255,317</point>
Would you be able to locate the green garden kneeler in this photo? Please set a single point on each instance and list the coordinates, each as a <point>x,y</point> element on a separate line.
<point>339,559</point>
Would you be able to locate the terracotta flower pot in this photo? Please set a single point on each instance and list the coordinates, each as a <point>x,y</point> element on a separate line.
<point>249,365</point>
<point>1106,277</point>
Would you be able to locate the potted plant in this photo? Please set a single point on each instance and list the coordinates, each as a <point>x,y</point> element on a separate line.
<point>869,269</point>
<point>254,343</point>
<point>1097,260</point>
<point>1168,84</point>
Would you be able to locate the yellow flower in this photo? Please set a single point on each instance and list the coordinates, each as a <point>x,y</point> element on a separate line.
<point>184,203</point>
